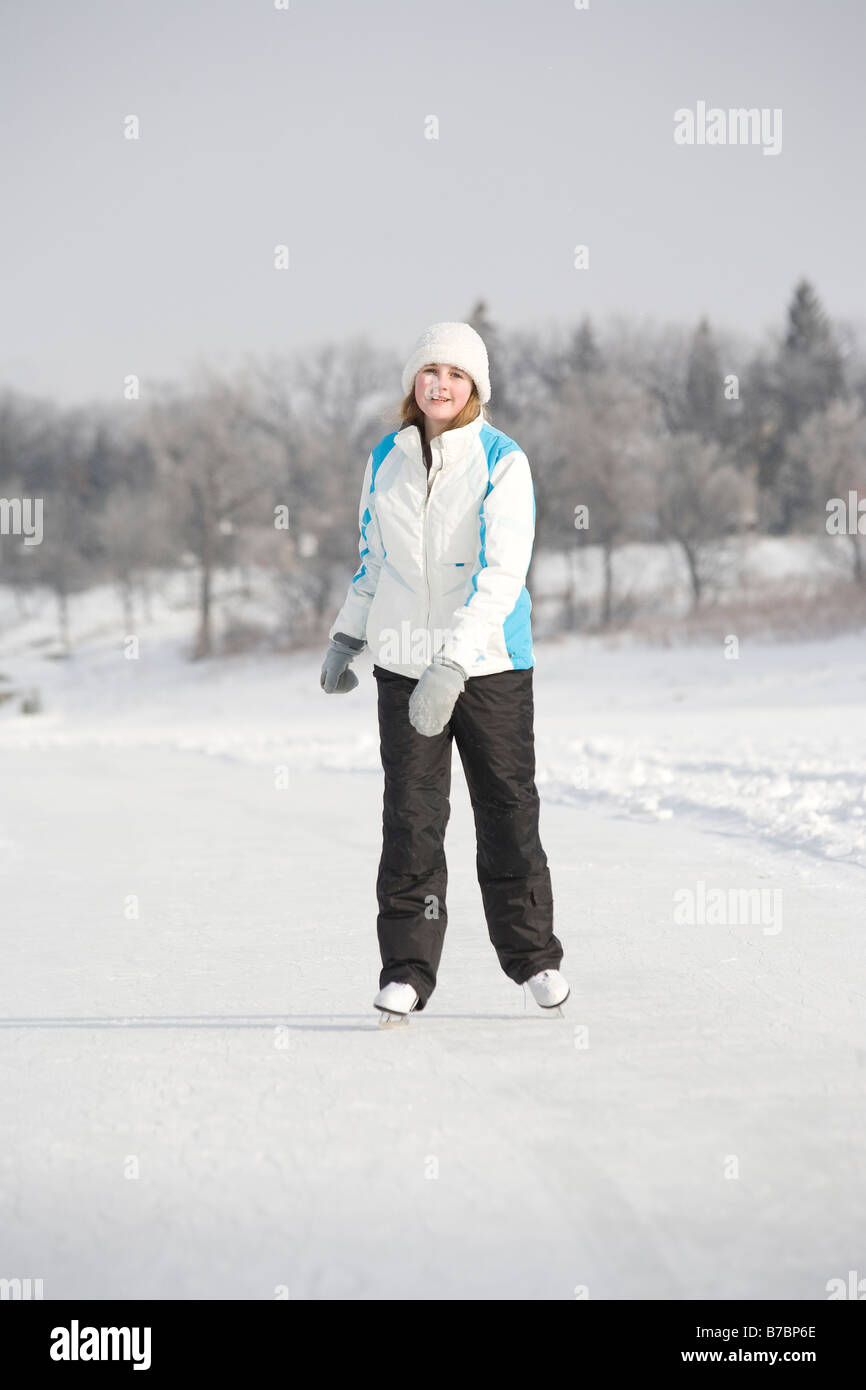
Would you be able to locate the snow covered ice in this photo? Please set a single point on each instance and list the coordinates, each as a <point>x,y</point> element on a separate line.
<point>197,1100</point>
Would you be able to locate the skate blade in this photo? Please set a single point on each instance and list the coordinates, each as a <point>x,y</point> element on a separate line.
<point>389,1020</point>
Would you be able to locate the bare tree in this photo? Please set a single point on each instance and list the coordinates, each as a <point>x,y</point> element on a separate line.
<point>827,461</point>
<point>654,358</point>
<point>134,534</point>
<point>67,559</point>
<point>601,437</point>
<point>323,411</point>
<point>29,431</point>
<point>700,498</point>
<point>214,470</point>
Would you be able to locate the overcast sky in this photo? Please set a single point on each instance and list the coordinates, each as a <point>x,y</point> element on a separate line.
<point>306,127</point>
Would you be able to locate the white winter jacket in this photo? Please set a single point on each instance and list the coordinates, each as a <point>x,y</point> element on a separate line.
<point>442,572</point>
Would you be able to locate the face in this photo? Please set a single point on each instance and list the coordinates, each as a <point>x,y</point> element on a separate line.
<point>442,390</point>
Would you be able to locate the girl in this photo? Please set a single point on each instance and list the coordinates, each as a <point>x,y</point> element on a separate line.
<point>447,520</point>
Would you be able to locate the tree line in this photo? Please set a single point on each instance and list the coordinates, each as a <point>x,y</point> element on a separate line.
<point>684,435</point>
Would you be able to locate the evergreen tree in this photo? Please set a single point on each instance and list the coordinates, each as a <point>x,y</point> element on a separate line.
<point>781,392</point>
<point>811,370</point>
<point>703,401</point>
<point>583,355</point>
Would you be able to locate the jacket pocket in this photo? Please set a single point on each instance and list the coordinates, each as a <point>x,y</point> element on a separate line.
<point>455,574</point>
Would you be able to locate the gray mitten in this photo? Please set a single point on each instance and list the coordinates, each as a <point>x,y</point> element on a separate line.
<point>336,678</point>
<point>432,702</point>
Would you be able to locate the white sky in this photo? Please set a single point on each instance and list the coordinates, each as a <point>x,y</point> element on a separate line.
<point>306,127</point>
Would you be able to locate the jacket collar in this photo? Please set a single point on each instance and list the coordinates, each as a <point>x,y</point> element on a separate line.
<point>452,444</point>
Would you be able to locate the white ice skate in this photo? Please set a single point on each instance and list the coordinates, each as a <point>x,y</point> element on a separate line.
<point>395,1001</point>
<point>550,989</point>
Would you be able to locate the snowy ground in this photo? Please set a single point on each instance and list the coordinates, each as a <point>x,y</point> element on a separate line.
<point>694,1127</point>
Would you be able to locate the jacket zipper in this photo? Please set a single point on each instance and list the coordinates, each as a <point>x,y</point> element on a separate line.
<point>429,488</point>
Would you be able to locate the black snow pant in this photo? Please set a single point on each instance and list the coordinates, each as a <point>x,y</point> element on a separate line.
<point>492,725</point>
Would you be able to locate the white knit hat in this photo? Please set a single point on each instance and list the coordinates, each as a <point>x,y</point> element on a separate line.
<point>456,343</point>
